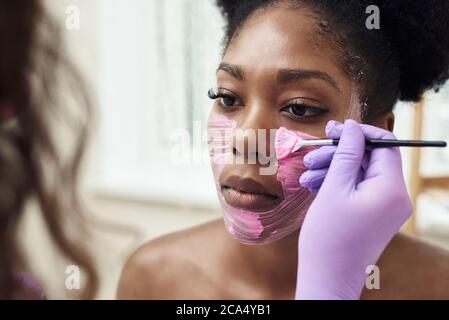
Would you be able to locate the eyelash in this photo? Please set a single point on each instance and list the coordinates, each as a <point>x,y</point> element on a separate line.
<point>218,96</point>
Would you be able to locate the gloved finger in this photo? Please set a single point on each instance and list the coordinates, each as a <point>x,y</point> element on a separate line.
<point>382,161</point>
<point>380,158</point>
<point>334,129</point>
<point>346,163</point>
<point>315,190</point>
<point>385,162</point>
<point>319,158</point>
<point>313,179</point>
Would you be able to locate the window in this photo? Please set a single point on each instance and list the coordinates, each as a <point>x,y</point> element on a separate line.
<point>157,60</point>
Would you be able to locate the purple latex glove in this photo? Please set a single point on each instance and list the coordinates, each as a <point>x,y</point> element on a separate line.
<point>361,204</point>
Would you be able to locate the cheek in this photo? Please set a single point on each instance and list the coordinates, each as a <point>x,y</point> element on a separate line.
<point>290,162</point>
<point>315,128</point>
<point>219,134</point>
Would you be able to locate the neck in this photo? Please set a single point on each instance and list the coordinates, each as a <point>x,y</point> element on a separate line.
<point>273,263</point>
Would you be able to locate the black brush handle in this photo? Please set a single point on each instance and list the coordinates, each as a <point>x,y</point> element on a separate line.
<point>400,143</point>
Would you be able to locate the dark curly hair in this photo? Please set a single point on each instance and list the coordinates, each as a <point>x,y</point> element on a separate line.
<point>33,73</point>
<point>407,56</point>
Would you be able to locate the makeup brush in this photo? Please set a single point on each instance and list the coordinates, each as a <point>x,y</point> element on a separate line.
<point>376,143</point>
<point>288,142</point>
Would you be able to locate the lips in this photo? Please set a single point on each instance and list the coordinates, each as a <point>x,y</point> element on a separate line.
<point>247,193</point>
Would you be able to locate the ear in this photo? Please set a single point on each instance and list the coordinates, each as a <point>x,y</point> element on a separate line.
<point>385,122</point>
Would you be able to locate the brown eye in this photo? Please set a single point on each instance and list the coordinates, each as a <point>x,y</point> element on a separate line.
<point>225,99</point>
<point>299,110</point>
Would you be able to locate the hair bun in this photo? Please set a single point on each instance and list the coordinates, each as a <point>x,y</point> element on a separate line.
<point>419,34</point>
<point>228,7</point>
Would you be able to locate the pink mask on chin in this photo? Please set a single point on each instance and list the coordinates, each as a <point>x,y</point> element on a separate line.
<point>250,227</point>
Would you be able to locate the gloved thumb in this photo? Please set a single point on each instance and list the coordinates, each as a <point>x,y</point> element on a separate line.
<point>347,161</point>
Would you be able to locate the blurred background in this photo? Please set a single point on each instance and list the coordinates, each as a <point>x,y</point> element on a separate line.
<point>149,64</point>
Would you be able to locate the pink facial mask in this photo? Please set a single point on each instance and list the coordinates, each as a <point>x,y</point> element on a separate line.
<point>251,227</point>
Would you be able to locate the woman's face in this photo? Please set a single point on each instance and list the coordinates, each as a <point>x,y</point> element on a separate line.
<point>277,72</point>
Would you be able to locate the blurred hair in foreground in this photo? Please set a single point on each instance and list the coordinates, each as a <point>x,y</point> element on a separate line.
<point>33,73</point>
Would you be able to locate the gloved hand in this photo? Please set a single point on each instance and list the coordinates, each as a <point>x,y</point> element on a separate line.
<point>357,211</point>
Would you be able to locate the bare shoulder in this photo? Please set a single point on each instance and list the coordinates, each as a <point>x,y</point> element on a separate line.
<point>412,269</point>
<point>169,267</point>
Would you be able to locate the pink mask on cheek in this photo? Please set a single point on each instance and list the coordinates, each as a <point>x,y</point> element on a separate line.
<point>251,227</point>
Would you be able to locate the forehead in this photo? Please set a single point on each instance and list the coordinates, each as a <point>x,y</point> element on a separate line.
<point>282,38</point>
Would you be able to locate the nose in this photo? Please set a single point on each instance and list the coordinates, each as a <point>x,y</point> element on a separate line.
<point>253,139</point>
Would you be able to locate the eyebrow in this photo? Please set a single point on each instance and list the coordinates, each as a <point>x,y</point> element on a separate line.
<point>233,70</point>
<point>285,76</point>
<point>288,76</point>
